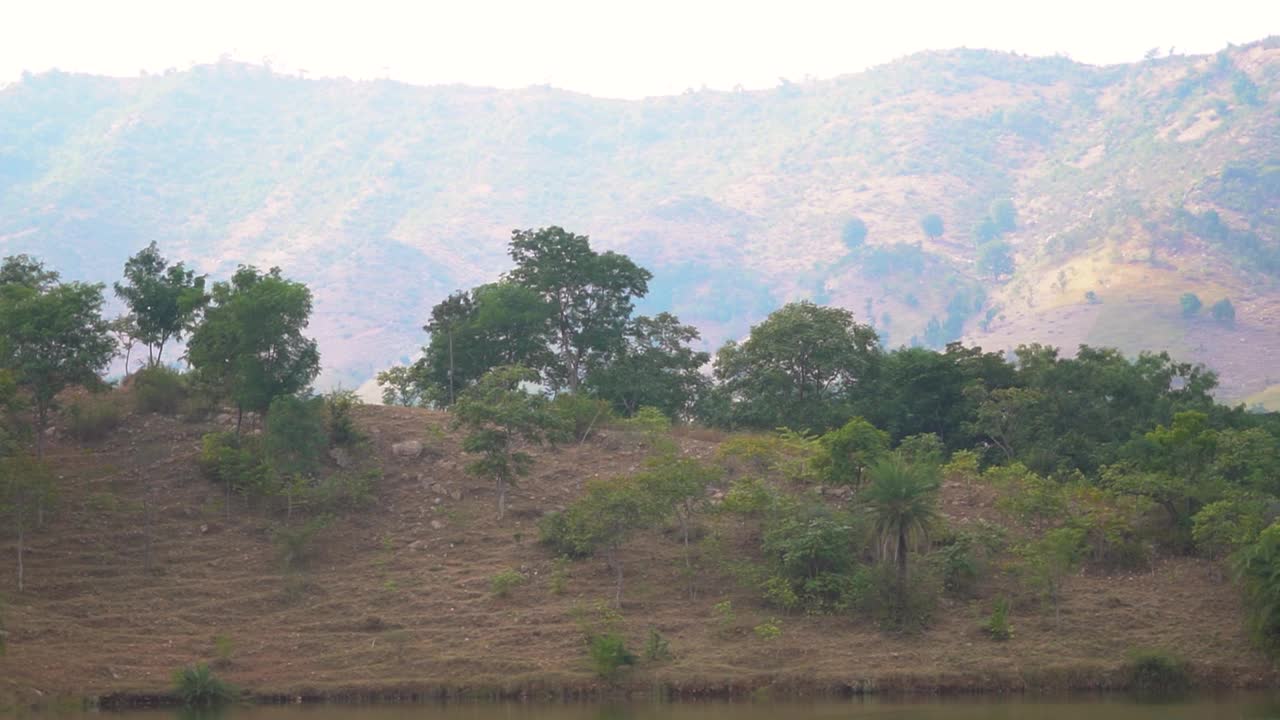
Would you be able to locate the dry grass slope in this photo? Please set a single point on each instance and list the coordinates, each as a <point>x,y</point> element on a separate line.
<point>398,597</point>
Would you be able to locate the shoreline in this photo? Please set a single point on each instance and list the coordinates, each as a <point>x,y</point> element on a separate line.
<point>1076,681</point>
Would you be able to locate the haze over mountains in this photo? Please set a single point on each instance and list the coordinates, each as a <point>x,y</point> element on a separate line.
<point>1132,186</point>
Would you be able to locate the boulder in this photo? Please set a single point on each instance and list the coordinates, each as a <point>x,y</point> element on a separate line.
<point>341,457</point>
<point>407,449</point>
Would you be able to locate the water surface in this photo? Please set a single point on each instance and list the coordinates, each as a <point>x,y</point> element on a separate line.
<point>1253,706</point>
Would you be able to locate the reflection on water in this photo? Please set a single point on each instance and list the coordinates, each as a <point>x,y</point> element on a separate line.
<point>1224,707</point>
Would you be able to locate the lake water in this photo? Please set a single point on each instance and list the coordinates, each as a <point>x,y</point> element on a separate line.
<point>1222,707</point>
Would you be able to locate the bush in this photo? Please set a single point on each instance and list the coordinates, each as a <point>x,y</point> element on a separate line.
<point>339,408</point>
<point>504,582</point>
<point>343,491</point>
<point>963,558</point>
<point>656,647</point>
<point>1155,671</point>
<point>849,451</point>
<point>814,550</point>
<point>768,630</point>
<point>93,418</point>
<point>295,436</point>
<point>906,610</point>
<point>649,422</point>
<point>159,390</point>
<point>580,415</point>
<point>1257,567</point>
<point>997,625</point>
<point>294,544</point>
<point>235,462</point>
<point>197,686</point>
<point>609,654</point>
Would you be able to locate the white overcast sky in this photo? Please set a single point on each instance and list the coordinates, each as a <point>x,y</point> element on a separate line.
<point>618,49</point>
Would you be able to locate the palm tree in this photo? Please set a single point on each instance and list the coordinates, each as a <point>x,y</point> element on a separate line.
<point>902,499</point>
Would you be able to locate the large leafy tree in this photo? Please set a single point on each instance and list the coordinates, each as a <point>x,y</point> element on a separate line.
<point>802,368</point>
<point>478,330</point>
<point>656,367</point>
<point>590,294</point>
<point>52,334</point>
<point>498,415</point>
<point>250,343</point>
<point>162,298</point>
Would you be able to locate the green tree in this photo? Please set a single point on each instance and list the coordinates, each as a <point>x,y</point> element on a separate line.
<point>1004,215</point>
<point>656,367</point>
<point>497,413</point>
<point>602,520</point>
<point>1190,303</point>
<point>162,298</point>
<point>26,488</point>
<point>902,500</point>
<point>1257,568</point>
<point>854,233</point>
<point>475,331</point>
<point>1224,312</point>
<point>250,343</point>
<point>850,450</point>
<point>591,296</point>
<point>52,335</point>
<point>803,367</point>
<point>932,226</point>
<point>294,441</point>
<point>1048,560</point>
<point>404,385</point>
<point>995,259</point>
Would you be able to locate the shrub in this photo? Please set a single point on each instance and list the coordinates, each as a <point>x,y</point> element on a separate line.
<point>343,491</point>
<point>93,418</point>
<point>339,409</point>
<point>725,616</point>
<point>559,577</point>
<point>899,609</point>
<point>749,496</point>
<point>159,389</point>
<point>295,436</point>
<point>656,647</point>
<point>1155,671</point>
<point>223,648</point>
<point>197,686</point>
<point>504,582</point>
<point>1190,304</point>
<point>768,630</point>
<point>649,422</point>
<point>963,558</point>
<point>294,544</point>
<point>848,452</point>
<point>1223,312</point>
<point>814,549</point>
<point>235,462</point>
<point>580,415</point>
<point>997,625</point>
<point>1257,567</point>
<point>609,654</point>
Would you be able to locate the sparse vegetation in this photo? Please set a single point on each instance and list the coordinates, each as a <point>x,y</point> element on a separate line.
<point>197,686</point>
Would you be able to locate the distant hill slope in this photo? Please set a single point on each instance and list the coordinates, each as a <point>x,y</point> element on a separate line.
<point>384,197</point>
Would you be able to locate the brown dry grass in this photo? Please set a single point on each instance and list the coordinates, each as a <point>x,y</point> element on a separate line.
<point>398,597</point>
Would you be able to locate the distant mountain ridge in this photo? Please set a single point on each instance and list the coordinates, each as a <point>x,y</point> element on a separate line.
<point>1132,185</point>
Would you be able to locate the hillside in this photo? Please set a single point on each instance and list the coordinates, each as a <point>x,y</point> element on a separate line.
<point>385,197</point>
<point>397,596</point>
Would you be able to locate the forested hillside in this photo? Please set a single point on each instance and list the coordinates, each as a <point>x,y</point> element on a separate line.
<point>994,197</point>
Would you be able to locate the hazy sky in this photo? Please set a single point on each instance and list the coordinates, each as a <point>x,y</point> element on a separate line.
<point>621,49</point>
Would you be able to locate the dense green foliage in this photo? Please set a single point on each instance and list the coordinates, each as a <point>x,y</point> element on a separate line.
<point>163,299</point>
<point>250,345</point>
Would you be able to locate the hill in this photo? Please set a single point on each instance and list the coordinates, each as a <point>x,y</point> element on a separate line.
<point>141,568</point>
<point>1132,185</point>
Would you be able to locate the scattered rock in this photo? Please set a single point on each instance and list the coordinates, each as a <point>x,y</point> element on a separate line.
<point>407,449</point>
<point>437,525</point>
<point>455,494</point>
<point>418,545</point>
<point>341,457</point>
<point>439,489</point>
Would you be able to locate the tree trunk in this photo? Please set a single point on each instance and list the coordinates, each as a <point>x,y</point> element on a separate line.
<point>42,422</point>
<point>502,498</point>
<point>613,561</point>
<point>450,365</point>
<point>22,545</point>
